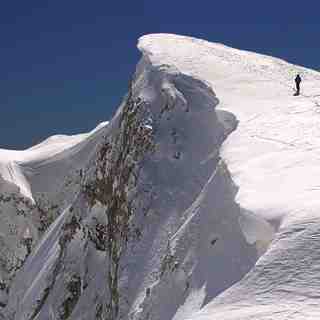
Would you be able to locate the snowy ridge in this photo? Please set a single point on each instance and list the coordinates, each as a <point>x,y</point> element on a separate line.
<point>18,167</point>
<point>187,205</point>
<point>273,158</point>
<point>35,186</point>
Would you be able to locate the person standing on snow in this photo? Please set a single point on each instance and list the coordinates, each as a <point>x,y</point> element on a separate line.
<point>297,81</point>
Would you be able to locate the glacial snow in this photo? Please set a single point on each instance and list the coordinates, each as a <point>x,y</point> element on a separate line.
<point>225,207</point>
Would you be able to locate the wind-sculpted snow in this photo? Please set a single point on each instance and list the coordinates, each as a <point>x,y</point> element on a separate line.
<point>273,159</point>
<point>164,212</point>
<point>285,282</point>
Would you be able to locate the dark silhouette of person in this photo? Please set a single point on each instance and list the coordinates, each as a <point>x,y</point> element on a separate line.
<point>297,81</point>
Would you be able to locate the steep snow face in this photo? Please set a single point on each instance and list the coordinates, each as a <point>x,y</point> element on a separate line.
<point>190,183</point>
<point>273,158</point>
<point>275,129</point>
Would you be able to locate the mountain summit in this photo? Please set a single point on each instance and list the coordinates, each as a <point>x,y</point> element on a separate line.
<point>198,200</point>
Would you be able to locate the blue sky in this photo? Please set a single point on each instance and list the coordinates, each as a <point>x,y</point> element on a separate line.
<point>65,65</point>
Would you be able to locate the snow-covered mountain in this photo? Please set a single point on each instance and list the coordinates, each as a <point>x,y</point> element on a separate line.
<point>198,200</point>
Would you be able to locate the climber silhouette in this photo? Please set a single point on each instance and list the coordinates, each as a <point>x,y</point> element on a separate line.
<point>297,81</point>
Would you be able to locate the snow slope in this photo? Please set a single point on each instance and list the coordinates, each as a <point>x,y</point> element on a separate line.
<point>36,185</point>
<point>198,201</point>
<point>273,158</point>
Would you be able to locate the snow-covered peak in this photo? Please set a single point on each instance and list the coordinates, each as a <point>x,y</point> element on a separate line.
<point>276,130</point>
<point>273,158</point>
<point>214,60</point>
<point>201,194</point>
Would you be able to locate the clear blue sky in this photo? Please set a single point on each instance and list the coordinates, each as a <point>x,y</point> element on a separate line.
<point>65,65</point>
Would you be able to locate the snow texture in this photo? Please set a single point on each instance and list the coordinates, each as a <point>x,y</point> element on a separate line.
<point>198,200</point>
